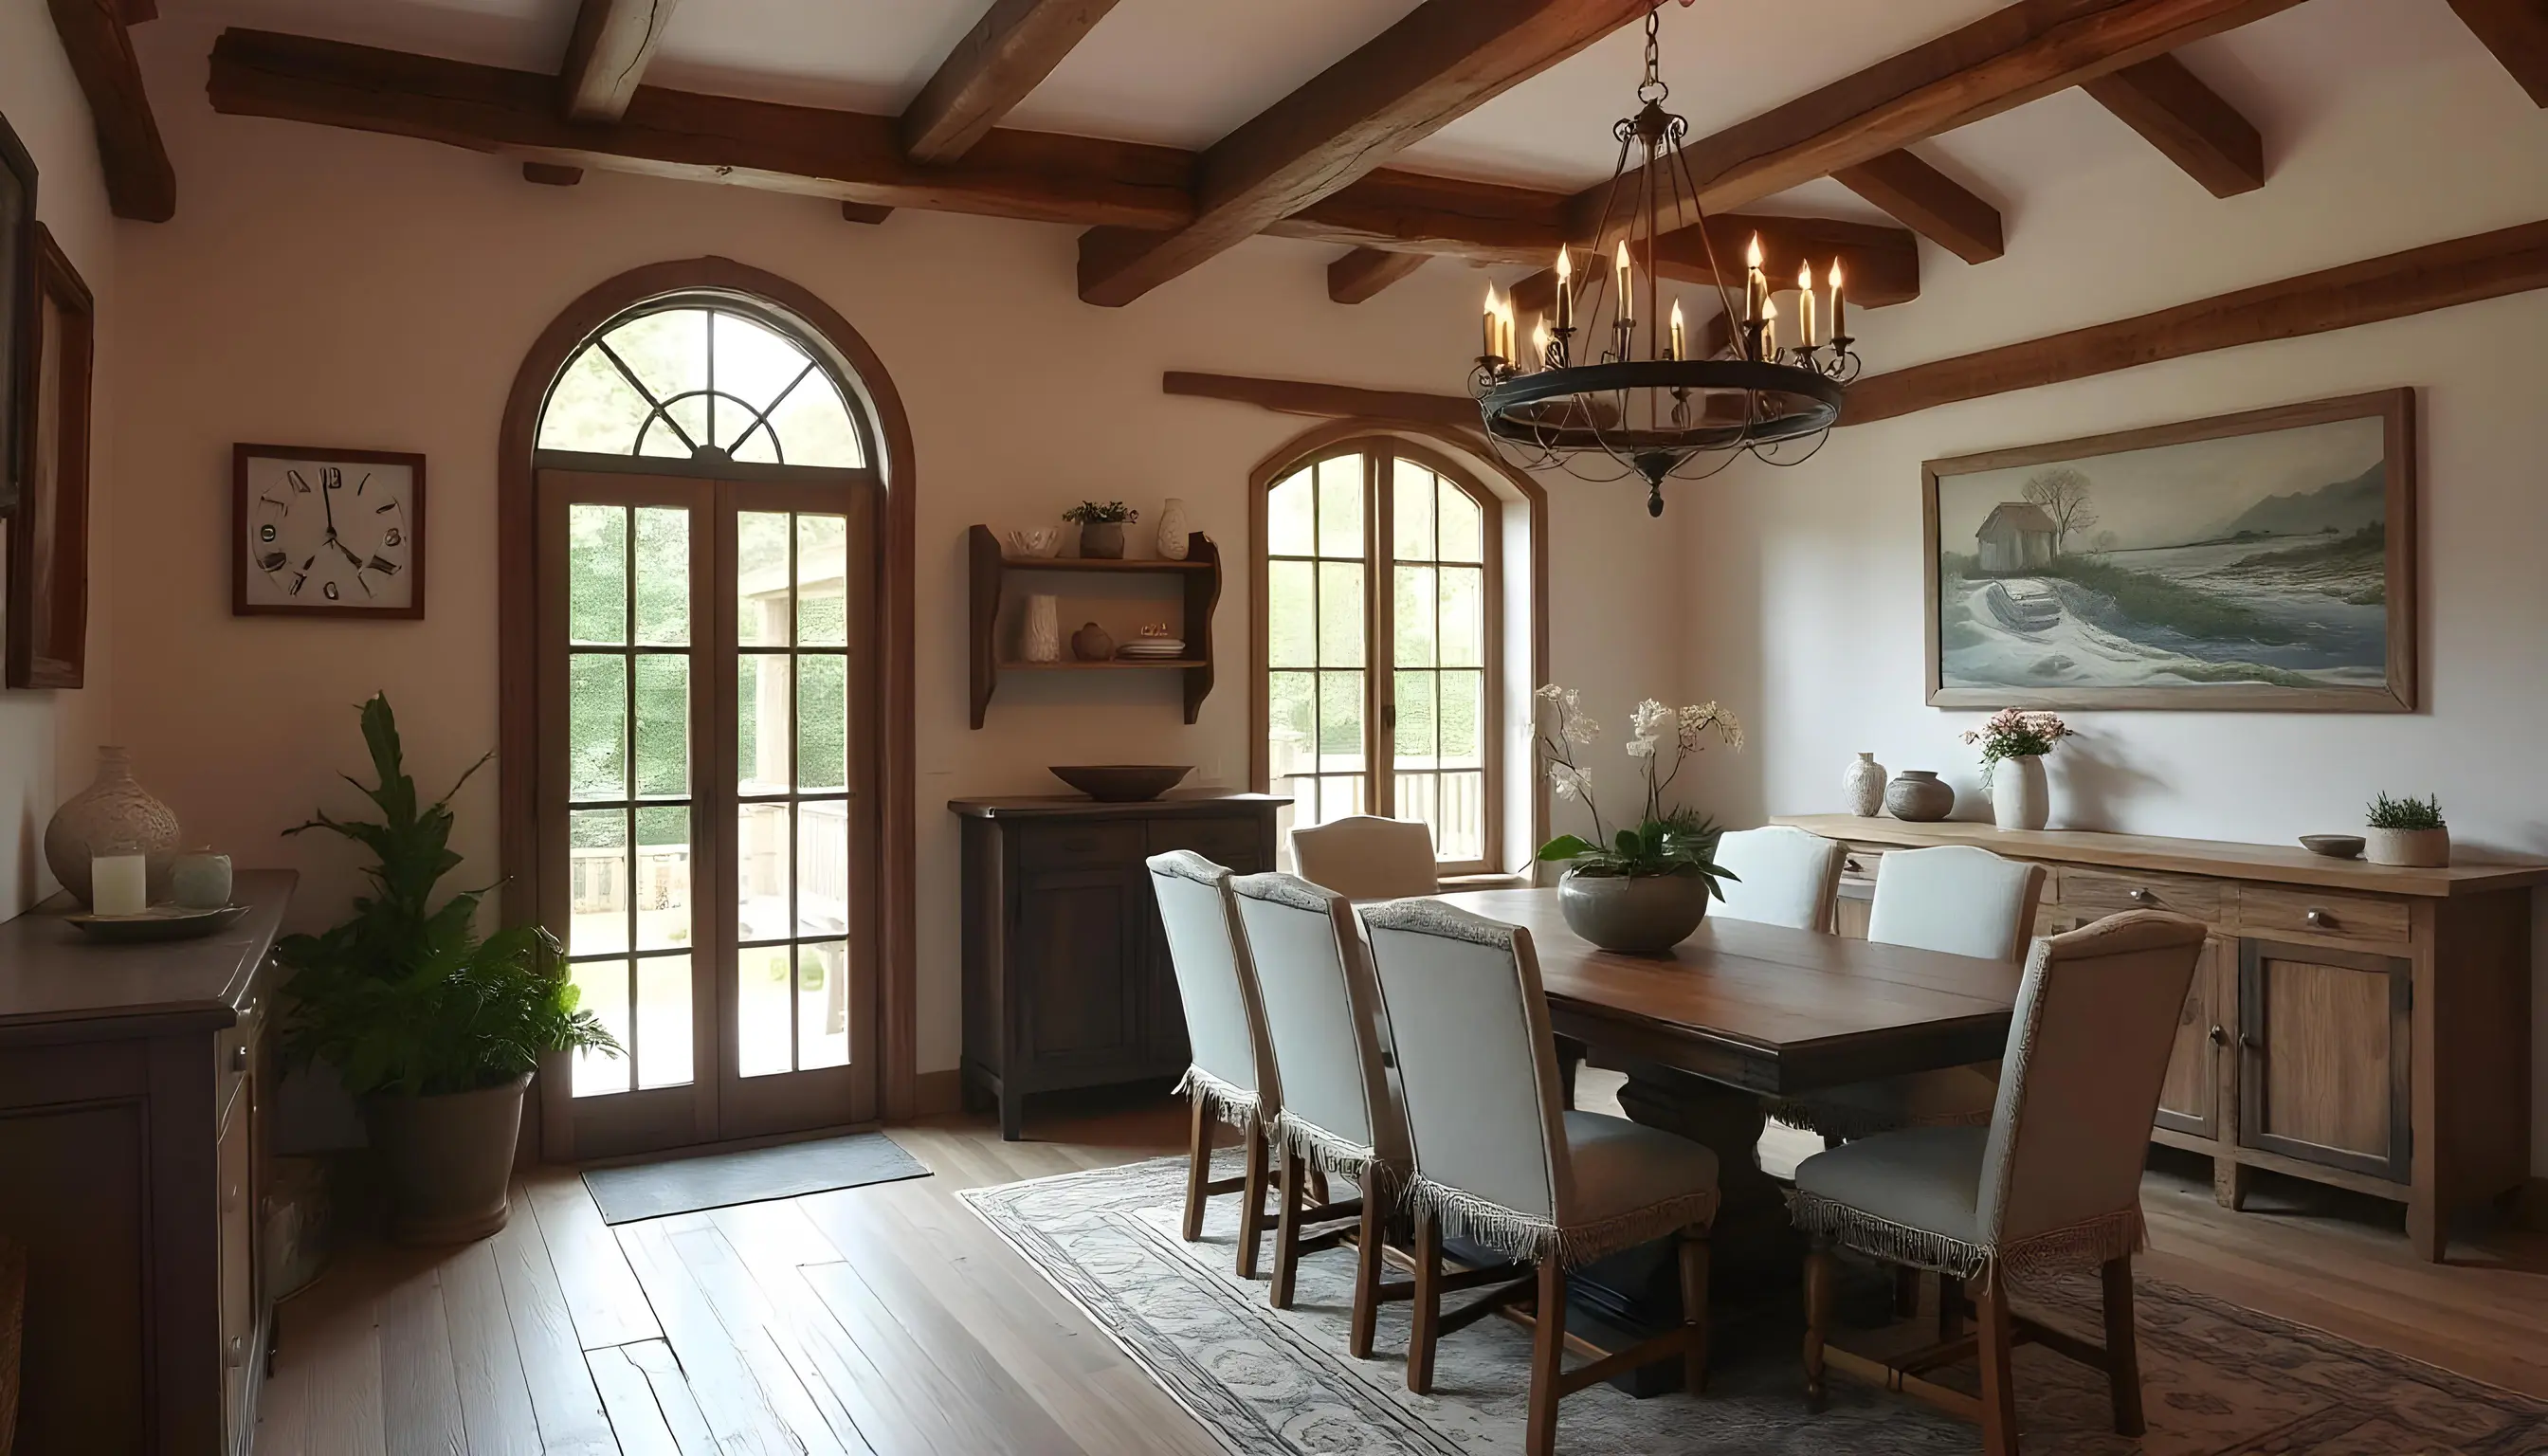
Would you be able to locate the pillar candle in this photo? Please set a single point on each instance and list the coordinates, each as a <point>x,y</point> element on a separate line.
<point>119,884</point>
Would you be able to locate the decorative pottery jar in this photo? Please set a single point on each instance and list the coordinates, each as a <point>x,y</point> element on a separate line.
<point>115,813</point>
<point>1917,796</point>
<point>1092,644</point>
<point>1040,641</point>
<point>201,881</point>
<point>1862,786</point>
<point>1173,531</point>
<point>2019,797</point>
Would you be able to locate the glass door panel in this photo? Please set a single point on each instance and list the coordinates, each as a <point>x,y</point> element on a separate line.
<point>1318,614</point>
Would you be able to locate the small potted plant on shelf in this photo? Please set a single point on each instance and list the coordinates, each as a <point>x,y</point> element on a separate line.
<point>1101,527</point>
<point>2408,832</point>
<point>433,1028</point>
<point>2019,797</point>
<point>1641,890</point>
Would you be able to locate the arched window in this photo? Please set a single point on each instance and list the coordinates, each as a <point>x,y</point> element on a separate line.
<point>690,379</point>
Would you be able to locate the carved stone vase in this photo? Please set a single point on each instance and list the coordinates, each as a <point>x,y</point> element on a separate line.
<point>115,814</point>
<point>1862,786</point>
<point>1173,531</point>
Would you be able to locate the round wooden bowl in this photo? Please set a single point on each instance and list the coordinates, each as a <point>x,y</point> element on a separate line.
<point>1121,784</point>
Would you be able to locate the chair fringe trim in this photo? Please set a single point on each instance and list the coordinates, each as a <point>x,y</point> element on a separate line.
<point>1285,889</point>
<point>2091,1242</point>
<point>1535,1239</point>
<point>1235,1106</point>
<point>1339,1157</point>
<point>1839,1119</point>
<point>1433,918</point>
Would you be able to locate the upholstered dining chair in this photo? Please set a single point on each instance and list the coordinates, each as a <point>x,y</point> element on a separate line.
<point>1340,1115</point>
<point>1782,876</point>
<point>2052,1184</point>
<point>1363,857</point>
<point>1232,1079</point>
<point>1498,1163</point>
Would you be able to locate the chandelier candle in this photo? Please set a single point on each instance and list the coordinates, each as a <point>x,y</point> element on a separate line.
<point>1565,291</point>
<point>1805,306</point>
<point>1679,347</point>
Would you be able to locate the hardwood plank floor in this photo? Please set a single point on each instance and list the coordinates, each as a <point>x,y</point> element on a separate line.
<point>889,1321</point>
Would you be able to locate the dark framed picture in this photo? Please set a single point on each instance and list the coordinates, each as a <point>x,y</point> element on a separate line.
<point>16,309</point>
<point>327,532</point>
<point>48,629</point>
<point>2256,561</point>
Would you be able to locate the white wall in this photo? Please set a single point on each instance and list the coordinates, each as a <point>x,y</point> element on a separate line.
<point>1806,582</point>
<point>48,739</point>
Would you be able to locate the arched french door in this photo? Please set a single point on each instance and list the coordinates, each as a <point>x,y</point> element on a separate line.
<point>709,744</point>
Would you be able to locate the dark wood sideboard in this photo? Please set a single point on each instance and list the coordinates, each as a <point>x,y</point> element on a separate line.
<point>1067,981</point>
<point>2350,1024</point>
<point>132,1138</point>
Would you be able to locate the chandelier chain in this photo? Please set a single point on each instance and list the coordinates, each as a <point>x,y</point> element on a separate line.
<point>1653,89</point>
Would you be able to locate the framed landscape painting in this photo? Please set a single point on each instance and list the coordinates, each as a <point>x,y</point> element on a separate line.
<point>2256,561</point>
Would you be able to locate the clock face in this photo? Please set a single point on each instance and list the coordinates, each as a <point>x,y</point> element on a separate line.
<point>330,534</point>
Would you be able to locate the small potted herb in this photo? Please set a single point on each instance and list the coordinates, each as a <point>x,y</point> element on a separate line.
<point>2408,832</point>
<point>1641,890</point>
<point>1101,527</point>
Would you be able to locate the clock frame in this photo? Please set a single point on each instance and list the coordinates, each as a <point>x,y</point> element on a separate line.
<point>243,520</point>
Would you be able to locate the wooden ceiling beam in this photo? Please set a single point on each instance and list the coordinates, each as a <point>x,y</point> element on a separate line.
<point>613,43</point>
<point>1364,272</point>
<point>2441,275</point>
<point>1411,212</point>
<point>866,213</point>
<point>2516,31</point>
<point>1008,53</point>
<point>1929,203</point>
<point>140,182</point>
<point>1325,401</point>
<point>1443,59</point>
<point>2187,120</point>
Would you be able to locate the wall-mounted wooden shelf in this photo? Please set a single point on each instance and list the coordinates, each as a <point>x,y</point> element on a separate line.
<point>1199,573</point>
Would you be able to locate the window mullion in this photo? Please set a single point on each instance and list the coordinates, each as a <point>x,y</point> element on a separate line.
<point>1380,651</point>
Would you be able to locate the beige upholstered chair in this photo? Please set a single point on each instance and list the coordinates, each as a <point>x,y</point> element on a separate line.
<point>1339,1115</point>
<point>1782,876</point>
<point>1232,1075</point>
<point>1363,857</point>
<point>1498,1163</point>
<point>2053,1183</point>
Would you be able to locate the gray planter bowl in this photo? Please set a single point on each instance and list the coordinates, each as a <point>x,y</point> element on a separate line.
<point>1633,915</point>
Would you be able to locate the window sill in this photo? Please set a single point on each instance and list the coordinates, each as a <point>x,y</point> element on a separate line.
<point>1452,883</point>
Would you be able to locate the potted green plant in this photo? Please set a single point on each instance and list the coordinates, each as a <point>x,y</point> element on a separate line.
<point>2407,832</point>
<point>1101,527</point>
<point>433,1028</point>
<point>1643,890</point>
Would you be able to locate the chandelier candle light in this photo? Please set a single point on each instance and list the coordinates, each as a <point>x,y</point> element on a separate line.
<point>1612,390</point>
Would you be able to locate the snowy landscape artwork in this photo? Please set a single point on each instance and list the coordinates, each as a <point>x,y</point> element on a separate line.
<point>2260,560</point>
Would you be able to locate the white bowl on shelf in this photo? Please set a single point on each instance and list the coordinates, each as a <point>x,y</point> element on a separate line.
<point>1038,544</point>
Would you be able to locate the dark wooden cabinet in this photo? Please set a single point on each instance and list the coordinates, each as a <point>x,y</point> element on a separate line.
<point>131,1132</point>
<point>1067,981</point>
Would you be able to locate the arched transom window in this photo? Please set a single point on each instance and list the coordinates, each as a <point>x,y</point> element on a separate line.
<point>701,380</point>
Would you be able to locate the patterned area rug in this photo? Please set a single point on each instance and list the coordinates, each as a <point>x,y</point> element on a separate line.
<point>2219,1380</point>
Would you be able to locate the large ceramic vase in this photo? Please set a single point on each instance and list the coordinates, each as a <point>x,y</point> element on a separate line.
<point>114,815</point>
<point>2019,798</point>
<point>1633,915</point>
<point>1863,786</point>
<point>446,1160</point>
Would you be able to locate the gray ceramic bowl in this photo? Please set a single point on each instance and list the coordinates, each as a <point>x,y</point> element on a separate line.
<point>1121,784</point>
<point>2333,846</point>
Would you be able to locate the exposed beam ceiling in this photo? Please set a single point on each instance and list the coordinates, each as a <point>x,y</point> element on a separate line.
<point>1443,59</point>
<point>607,55</point>
<point>867,213</point>
<point>2516,31</point>
<point>1010,50</point>
<point>2187,121</point>
<point>140,183</point>
<point>1929,203</point>
<point>1365,271</point>
<point>1479,222</point>
<point>1328,400</point>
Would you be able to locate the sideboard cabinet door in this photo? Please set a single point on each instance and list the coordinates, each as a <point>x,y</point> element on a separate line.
<point>2190,1101</point>
<point>1077,948</point>
<point>2323,1052</point>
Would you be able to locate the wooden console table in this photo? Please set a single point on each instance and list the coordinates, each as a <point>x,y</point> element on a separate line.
<point>2351,1023</point>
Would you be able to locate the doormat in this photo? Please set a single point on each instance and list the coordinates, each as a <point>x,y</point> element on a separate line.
<point>755,1175</point>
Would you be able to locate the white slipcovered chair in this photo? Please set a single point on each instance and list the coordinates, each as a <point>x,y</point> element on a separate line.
<point>2052,1184</point>
<point>1782,876</point>
<point>1233,1077</point>
<point>1500,1162</point>
<point>1339,1115</point>
<point>1363,857</point>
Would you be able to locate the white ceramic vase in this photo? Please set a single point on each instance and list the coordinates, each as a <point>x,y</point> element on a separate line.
<point>1862,786</point>
<point>1172,530</point>
<point>2019,797</point>
<point>2420,849</point>
<point>1041,642</point>
<point>115,813</point>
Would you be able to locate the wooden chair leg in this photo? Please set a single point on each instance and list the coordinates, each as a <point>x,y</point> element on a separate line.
<point>1821,1272</point>
<point>1693,1308</point>
<point>2122,1355</point>
<point>1198,1169</point>
<point>1252,1206</point>
<point>1547,1361</point>
<point>1319,1187</point>
<point>1369,1264</point>
<point>1287,1231</point>
<point>1999,1393</point>
<point>1426,1326</point>
<point>1906,1291</point>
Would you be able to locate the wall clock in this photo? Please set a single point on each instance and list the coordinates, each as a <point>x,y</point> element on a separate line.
<point>336,534</point>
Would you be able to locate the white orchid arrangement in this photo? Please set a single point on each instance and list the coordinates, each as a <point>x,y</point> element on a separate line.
<point>1663,738</point>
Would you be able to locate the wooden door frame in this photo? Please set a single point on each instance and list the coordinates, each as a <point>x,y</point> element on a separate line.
<point>517,651</point>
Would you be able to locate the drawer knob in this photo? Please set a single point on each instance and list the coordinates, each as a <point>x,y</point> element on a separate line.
<point>238,1058</point>
<point>2319,918</point>
<point>2141,896</point>
<point>2219,1037</point>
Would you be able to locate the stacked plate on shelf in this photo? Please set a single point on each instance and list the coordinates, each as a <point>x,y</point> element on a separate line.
<point>1152,649</point>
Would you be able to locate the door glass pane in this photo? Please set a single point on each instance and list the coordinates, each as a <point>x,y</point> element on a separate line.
<point>1340,745</point>
<point>1413,610</point>
<point>1463,525</point>
<point>822,581</point>
<point>1291,614</point>
<point>760,579</point>
<point>663,726</point>
<point>1416,720</point>
<point>822,1005</point>
<point>761,994</point>
<point>1464,616</point>
<point>661,877</point>
<point>602,988</point>
<point>1289,527</point>
<point>663,577</point>
<point>597,732</point>
<point>662,1049</point>
<point>1341,614</point>
<point>1418,798</point>
<point>1340,506</point>
<point>761,723</point>
<point>1291,725</point>
<point>761,866</point>
<point>597,881</point>
<point>597,574</point>
<point>822,721</point>
<point>1412,498</point>
<point>822,868</point>
<point>1462,713</point>
<point>1460,828</point>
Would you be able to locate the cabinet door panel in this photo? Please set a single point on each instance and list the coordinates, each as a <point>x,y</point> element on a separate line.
<point>1078,949</point>
<point>2323,1048</point>
<point>2189,1101</point>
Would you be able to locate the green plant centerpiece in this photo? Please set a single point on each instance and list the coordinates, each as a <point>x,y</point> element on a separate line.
<point>1642,888</point>
<point>1101,527</point>
<point>2407,832</point>
<point>434,1027</point>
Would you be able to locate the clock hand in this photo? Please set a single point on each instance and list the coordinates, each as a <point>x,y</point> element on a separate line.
<point>342,550</point>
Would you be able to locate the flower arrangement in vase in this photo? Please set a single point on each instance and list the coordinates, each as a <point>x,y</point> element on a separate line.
<point>1101,527</point>
<point>1644,888</point>
<point>2019,798</point>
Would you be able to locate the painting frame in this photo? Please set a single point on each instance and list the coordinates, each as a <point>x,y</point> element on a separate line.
<point>48,595</point>
<point>2394,409</point>
<point>18,307</point>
